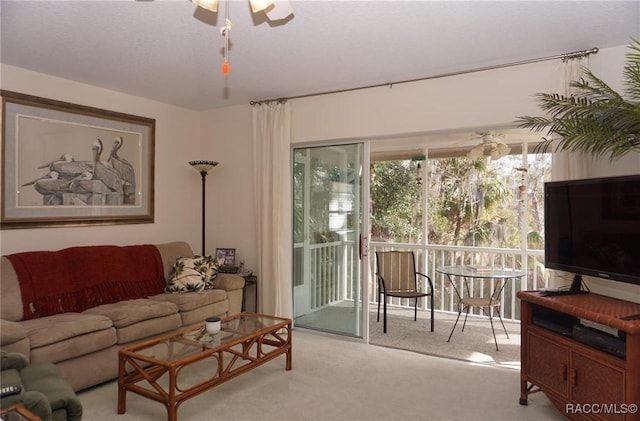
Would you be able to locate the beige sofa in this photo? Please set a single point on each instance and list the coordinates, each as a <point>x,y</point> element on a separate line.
<point>84,344</point>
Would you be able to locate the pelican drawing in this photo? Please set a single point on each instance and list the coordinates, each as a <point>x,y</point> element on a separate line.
<point>49,184</point>
<point>67,167</point>
<point>85,184</point>
<point>64,158</point>
<point>103,172</point>
<point>52,175</point>
<point>124,167</point>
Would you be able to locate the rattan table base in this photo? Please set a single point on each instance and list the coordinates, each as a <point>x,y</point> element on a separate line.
<point>152,368</point>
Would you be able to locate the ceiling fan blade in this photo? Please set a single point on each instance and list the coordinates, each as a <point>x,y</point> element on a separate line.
<point>211,5</point>
<point>260,5</point>
<point>280,9</point>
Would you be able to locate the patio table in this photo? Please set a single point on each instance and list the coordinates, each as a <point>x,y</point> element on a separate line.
<point>464,293</point>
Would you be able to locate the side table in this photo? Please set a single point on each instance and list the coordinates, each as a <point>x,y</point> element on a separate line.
<point>250,281</point>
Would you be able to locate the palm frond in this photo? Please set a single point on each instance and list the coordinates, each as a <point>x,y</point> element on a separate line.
<point>632,87</point>
<point>596,120</point>
<point>595,89</point>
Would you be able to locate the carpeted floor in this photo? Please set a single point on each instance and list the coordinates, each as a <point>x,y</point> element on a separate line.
<point>337,379</point>
<point>475,344</point>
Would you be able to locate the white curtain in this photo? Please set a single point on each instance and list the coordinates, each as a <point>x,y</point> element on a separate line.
<point>568,165</point>
<point>272,178</point>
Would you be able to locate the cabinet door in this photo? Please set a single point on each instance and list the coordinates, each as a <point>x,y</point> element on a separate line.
<point>594,383</point>
<point>548,364</point>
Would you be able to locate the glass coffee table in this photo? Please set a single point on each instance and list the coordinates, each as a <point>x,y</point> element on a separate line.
<point>180,365</point>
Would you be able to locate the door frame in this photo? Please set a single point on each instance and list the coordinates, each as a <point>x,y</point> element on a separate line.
<point>364,223</point>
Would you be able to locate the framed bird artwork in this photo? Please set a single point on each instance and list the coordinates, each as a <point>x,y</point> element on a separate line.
<point>68,164</point>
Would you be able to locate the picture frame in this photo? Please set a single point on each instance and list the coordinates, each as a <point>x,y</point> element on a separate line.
<point>226,257</point>
<point>65,164</point>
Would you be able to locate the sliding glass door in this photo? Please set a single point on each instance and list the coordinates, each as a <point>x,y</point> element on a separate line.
<point>328,240</point>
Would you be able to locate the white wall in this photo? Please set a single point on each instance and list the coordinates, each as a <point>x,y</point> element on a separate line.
<point>228,138</point>
<point>485,99</point>
<point>177,185</point>
<point>491,98</point>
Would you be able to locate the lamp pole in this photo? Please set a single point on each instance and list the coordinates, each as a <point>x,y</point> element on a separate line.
<point>203,167</point>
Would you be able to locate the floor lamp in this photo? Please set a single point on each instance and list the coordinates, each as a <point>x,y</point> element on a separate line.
<point>203,167</point>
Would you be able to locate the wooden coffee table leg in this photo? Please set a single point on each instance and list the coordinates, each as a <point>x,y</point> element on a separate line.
<point>289,354</point>
<point>172,403</point>
<point>172,412</point>
<point>122,392</point>
<point>122,400</point>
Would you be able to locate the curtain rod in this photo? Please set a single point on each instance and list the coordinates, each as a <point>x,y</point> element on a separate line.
<point>563,57</point>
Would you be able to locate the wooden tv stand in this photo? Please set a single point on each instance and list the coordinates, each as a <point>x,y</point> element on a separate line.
<point>582,381</point>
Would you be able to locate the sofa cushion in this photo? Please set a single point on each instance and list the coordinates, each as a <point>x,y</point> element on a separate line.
<point>129,312</point>
<point>199,315</point>
<point>147,328</point>
<point>22,346</point>
<point>193,300</point>
<point>74,347</point>
<point>192,274</point>
<point>48,330</point>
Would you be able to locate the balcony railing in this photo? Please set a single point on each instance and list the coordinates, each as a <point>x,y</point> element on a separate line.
<point>331,278</point>
<point>430,257</point>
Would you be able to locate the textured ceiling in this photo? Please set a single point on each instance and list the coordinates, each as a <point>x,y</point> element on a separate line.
<point>171,51</point>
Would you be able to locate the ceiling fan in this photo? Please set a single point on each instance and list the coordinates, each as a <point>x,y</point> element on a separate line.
<point>273,9</point>
<point>492,144</point>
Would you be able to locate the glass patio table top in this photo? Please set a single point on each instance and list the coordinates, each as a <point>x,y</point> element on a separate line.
<point>476,271</point>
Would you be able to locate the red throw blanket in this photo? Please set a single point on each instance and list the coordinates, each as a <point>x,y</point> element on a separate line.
<point>78,278</point>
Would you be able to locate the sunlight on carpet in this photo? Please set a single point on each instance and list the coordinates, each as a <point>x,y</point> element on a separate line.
<point>474,344</point>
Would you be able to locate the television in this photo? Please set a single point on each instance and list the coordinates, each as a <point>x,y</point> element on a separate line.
<point>592,227</point>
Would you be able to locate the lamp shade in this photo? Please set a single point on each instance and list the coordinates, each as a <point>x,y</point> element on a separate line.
<point>203,166</point>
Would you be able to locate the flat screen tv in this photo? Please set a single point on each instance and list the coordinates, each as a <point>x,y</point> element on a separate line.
<point>592,227</point>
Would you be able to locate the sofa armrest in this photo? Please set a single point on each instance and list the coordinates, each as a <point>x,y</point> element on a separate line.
<point>234,285</point>
<point>169,252</point>
<point>11,332</point>
<point>228,281</point>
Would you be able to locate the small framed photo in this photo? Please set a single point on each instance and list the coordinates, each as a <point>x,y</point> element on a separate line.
<point>226,257</point>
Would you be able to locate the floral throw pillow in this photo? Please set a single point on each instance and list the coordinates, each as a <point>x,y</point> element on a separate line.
<point>192,274</point>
